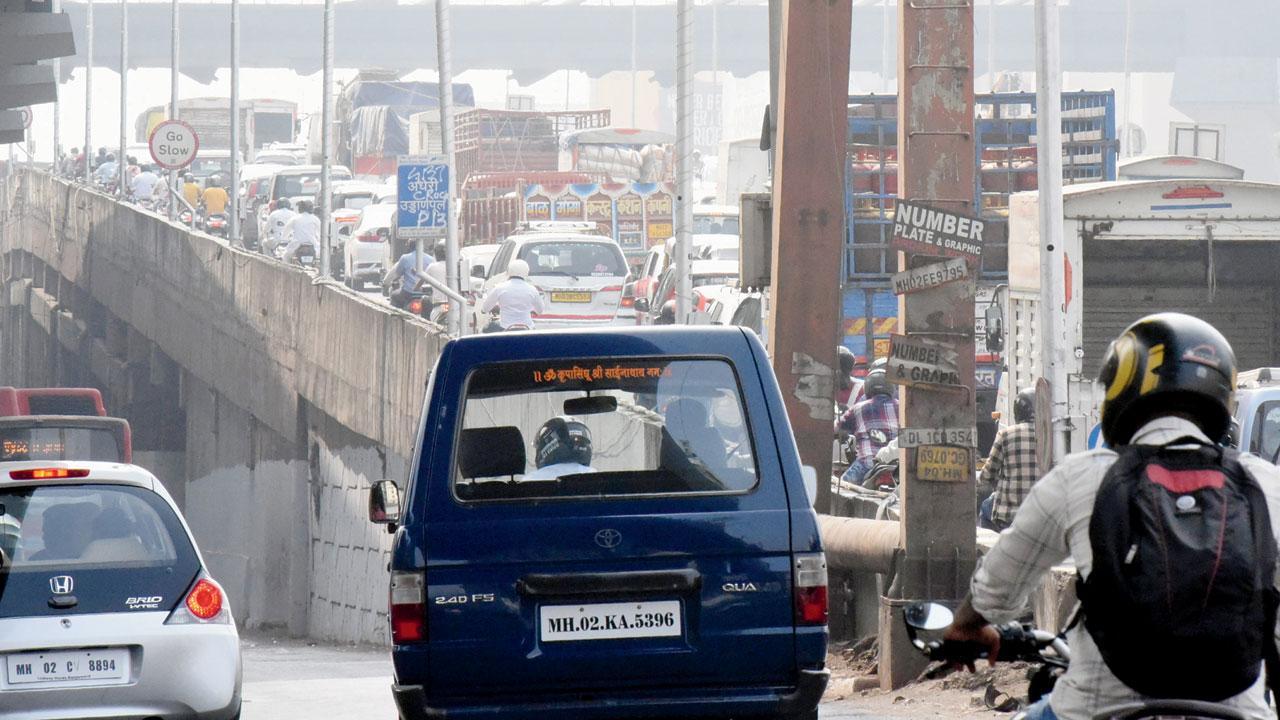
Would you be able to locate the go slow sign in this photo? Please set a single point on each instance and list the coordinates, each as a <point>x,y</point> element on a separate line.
<point>173,144</point>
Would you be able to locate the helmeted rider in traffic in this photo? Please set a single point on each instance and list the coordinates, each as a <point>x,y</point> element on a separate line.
<point>1173,538</point>
<point>301,232</point>
<point>873,423</point>
<point>516,299</point>
<point>277,221</point>
<point>561,447</point>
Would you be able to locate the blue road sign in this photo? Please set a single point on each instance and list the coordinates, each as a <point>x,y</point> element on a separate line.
<point>422,196</point>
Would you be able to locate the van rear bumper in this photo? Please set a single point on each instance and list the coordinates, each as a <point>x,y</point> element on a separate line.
<point>764,702</point>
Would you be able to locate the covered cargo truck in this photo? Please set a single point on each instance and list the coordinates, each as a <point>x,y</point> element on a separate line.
<point>1207,247</point>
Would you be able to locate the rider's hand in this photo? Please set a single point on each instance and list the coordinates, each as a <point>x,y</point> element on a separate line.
<point>971,627</point>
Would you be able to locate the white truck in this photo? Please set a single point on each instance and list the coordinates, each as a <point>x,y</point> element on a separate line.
<point>1207,247</point>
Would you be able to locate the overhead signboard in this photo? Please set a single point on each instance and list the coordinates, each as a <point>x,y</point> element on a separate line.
<point>930,276</point>
<point>422,196</point>
<point>173,144</point>
<point>920,437</point>
<point>919,228</point>
<point>922,361</point>
<point>943,463</point>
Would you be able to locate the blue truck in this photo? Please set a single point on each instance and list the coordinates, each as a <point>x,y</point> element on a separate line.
<point>609,520</point>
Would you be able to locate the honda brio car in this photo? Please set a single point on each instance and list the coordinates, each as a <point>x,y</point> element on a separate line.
<point>608,524</point>
<point>107,609</point>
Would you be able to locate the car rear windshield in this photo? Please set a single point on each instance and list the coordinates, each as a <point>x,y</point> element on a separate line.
<point>713,225</point>
<point>577,259</point>
<point>603,427</point>
<point>352,202</point>
<point>19,444</point>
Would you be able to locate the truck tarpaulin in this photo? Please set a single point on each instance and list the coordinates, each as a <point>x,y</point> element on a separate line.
<point>424,95</point>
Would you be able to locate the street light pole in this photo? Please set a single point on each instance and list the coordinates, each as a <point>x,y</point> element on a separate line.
<point>88,92</point>
<point>233,189</point>
<point>173,100</point>
<point>326,139</point>
<point>444,52</point>
<point>684,157</point>
<point>633,63</point>
<point>57,101</point>
<point>122,162</point>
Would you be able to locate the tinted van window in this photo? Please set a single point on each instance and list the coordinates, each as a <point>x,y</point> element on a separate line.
<point>580,259</point>
<point>113,541</point>
<point>603,427</point>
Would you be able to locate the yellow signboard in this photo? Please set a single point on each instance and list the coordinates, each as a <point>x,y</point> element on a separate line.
<point>943,463</point>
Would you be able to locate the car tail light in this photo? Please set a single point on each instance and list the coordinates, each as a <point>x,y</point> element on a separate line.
<point>206,602</point>
<point>48,474</point>
<point>369,237</point>
<point>611,288</point>
<point>408,607</point>
<point>628,296</point>
<point>811,589</point>
<point>415,306</point>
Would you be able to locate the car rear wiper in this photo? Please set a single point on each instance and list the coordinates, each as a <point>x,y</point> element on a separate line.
<point>556,272</point>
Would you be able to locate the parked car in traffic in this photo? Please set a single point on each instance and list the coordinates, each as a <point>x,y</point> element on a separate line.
<point>475,261</point>
<point>366,252</point>
<point>613,520</point>
<point>581,275</point>
<point>707,277</point>
<point>107,608</point>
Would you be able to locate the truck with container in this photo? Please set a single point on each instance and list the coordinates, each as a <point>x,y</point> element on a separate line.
<point>1203,246</point>
<point>1005,136</point>
<point>263,121</point>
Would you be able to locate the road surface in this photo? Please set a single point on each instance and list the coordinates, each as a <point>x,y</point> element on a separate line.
<point>297,680</point>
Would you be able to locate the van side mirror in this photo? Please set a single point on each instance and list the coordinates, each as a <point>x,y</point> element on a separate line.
<point>478,271</point>
<point>642,305</point>
<point>384,504</point>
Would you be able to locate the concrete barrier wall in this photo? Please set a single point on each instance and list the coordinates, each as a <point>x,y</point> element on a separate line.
<point>296,396</point>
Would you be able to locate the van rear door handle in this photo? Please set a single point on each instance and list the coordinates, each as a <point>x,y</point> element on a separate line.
<point>620,583</point>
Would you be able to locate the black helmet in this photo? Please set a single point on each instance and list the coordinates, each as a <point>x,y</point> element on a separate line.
<point>441,251</point>
<point>1024,406</point>
<point>284,204</point>
<point>877,383</point>
<point>304,206</point>
<point>846,359</point>
<point>1165,363</point>
<point>561,440</point>
<point>667,315</point>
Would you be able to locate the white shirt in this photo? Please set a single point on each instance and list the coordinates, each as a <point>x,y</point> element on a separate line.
<point>437,270</point>
<point>144,185</point>
<point>303,229</point>
<point>276,223</point>
<point>551,472</point>
<point>1053,524</point>
<point>516,299</point>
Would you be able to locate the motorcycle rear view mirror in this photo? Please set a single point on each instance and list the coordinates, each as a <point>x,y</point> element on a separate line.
<point>591,405</point>
<point>927,616</point>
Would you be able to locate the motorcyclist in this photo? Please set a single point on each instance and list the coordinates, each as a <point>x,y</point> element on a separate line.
<point>276,223</point>
<point>214,199</point>
<point>847,385</point>
<point>438,270</point>
<point>1011,467</point>
<point>190,190</point>
<point>561,447</point>
<point>1168,381</point>
<point>105,172</point>
<point>302,231</point>
<point>873,423</point>
<point>517,299</point>
<point>144,185</point>
<point>407,270</point>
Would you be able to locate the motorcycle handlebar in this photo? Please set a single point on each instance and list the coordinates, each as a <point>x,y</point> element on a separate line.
<point>1017,642</point>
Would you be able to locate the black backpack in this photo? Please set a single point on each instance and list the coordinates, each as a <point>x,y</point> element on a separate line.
<point>1181,600</point>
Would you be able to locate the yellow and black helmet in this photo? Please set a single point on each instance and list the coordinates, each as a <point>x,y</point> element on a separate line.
<point>1163,364</point>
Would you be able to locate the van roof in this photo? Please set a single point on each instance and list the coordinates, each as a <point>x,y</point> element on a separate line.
<point>99,473</point>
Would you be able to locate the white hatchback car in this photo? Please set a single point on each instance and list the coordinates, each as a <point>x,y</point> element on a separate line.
<point>581,277</point>
<point>366,252</point>
<point>107,608</point>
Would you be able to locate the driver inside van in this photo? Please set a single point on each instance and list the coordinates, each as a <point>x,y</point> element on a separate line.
<point>561,447</point>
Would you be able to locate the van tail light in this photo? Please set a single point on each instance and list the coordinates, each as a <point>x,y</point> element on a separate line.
<point>206,602</point>
<point>811,589</point>
<point>628,296</point>
<point>369,237</point>
<point>415,306</point>
<point>48,474</point>
<point>408,607</point>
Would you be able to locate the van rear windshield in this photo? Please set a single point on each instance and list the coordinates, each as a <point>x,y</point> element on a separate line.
<point>603,428</point>
<point>18,444</point>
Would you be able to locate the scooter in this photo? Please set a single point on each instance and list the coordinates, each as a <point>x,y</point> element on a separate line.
<point>216,224</point>
<point>1021,642</point>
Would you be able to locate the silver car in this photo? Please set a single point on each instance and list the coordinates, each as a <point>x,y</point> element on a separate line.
<point>107,609</point>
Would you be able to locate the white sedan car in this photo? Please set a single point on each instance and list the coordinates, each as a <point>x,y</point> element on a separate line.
<point>366,253</point>
<point>107,608</point>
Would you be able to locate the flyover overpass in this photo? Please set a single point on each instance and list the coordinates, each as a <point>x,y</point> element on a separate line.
<point>536,40</point>
<point>267,404</point>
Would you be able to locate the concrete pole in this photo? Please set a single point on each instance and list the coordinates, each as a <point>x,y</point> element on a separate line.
<point>633,63</point>
<point>444,59</point>
<point>173,99</point>
<point>122,162</point>
<point>991,46</point>
<point>1054,343</point>
<point>936,148</point>
<point>684,158</point>
<point>808,222</point>
<point>326,140</point>
<point>775,72</point>
<point>1125,136</point>
<point>88,93</point>
<point>233,183</point>
<point>57,101</point>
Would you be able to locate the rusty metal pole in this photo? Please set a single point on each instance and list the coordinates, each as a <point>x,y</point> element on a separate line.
<point>936,156</point>
<point>808,221</point>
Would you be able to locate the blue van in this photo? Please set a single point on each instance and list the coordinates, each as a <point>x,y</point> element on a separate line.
<point>605,524</point>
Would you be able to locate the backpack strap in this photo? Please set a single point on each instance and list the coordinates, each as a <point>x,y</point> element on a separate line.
<point>1265,549</point>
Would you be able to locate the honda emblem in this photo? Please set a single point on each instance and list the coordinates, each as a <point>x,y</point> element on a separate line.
<point>61,584</point>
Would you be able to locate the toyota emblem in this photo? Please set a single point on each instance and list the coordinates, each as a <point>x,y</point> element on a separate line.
<point>608,538</point>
